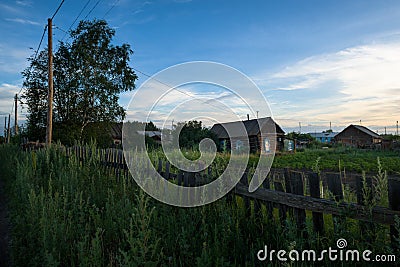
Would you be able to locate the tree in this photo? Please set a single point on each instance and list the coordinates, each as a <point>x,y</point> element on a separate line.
<point>192,132</point>
<point>89,74</point>
<point>150,126</point>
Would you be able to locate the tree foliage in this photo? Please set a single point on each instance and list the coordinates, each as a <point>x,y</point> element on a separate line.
<point>192,132</point>
<point>89,74</point>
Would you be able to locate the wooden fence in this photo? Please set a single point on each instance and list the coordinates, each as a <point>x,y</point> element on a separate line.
<point>291,192</point>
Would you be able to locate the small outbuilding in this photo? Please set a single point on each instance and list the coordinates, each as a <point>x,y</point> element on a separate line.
<point>358,136</point>
<point>256,129</point>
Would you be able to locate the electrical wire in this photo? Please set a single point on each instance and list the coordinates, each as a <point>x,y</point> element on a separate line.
<point>111,8</point>
<point>182,92</point>
<point>77,17</point>
<point>92,9</point>
<point>55,13</point>
<point>35,56</point>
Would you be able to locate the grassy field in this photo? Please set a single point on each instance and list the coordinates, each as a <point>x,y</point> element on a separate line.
<point>67,213</point>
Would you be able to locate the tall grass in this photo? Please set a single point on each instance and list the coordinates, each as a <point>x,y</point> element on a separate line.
<point>69,213</point>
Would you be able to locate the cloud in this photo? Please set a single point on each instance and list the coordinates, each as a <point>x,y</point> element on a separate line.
<point>24,3</point>
<point>7,93</point>
<point>356,83</point>
<point>13,59</point>
<point>205,102</point>
<point>9,9</point>
<point>23,21</point>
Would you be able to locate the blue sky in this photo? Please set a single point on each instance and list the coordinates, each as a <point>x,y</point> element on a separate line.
<point>315,61</point>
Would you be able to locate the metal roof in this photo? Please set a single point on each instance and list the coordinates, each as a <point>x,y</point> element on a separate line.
<point>367,131</point>
<point>362,129</point>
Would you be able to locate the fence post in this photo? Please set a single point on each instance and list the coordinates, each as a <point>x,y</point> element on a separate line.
<point>394,204</point>
<point>282,208</point>
<point>335,186</point>
<point>366,228</point>
<point>257,203</point>
<point>268,205</point>
<point>297,187</point>
<point>244,180</point>
<point>286,176</point>
<point>318,218</point>
<point>167,170</point>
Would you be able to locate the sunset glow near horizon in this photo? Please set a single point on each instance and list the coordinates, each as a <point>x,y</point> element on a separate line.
<point>316,62</point>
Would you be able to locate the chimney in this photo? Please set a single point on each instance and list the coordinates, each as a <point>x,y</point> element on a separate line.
<point>248,117</point>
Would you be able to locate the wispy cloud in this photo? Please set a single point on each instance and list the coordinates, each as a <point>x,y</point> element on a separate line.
<point>352,84</point>
<point>9,9</point>
<point>6,97</point>
<point>13,59</point>
<point>24,3</point>
<point>23,21</point>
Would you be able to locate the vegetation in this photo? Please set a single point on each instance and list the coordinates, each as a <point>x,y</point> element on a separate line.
<point>192,132</point>
<point>66,212</point>
<point>89,74</point>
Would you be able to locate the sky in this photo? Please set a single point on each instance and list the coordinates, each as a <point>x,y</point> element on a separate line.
<point>315,62</point>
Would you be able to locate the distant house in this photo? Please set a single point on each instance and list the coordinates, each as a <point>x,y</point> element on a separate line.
<point>155,135</point>
<point>324,137</point>
<point>358,136</point>
<point>116,132</point>
<point>254,134</point>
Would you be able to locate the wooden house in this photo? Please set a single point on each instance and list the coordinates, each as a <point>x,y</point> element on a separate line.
<point>256,129</point>
<point>358,136</point>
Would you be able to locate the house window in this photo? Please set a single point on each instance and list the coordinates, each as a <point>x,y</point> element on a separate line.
<point>239,144</point>
<point>267,145</point>
<point>223,145</point>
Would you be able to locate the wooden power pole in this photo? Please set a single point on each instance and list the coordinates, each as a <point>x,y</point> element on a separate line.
<point>8,129</point>
<point>16,114</point>
<point>49,128</point>
<point>5,129</point>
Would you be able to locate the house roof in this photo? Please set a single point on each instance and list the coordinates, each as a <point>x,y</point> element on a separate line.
<point>116,130</point>
<point>150,133</point>
<point>251,126</point>
<point>364,130</point>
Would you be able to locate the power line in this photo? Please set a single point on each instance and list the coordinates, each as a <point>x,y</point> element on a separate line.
<point>55,13</point>
<point>183,92</point>
<point>111,8</point>
<point>77,17</point>
<point>58,28</point>
<point>35,56</point>
<point>92,9</point>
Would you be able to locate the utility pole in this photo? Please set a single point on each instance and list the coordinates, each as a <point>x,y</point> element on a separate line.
<point>397,128</point>
<point>385,130</point>
<point>49,127</point>
<point>300,127</point>
<point>5,129</point>
<point>16,114</point>
<point>8,129</point>
<point>330,125</point>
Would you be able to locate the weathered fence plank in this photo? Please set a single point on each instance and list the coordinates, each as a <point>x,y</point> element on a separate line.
<point>335,187</point>
<point>379,214</point>
<point>297,188</point>
<point>282,207</point>
<point>315,191</point>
